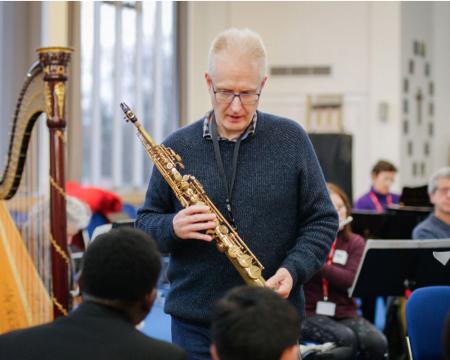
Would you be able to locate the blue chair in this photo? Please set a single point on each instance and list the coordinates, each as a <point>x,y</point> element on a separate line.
<point>426,311</point>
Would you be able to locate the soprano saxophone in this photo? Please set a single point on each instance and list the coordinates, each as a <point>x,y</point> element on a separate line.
<point>189,191</point>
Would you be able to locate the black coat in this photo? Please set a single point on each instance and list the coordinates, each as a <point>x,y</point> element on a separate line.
<point>92,331</point>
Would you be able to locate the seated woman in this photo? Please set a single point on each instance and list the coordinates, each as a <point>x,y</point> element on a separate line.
<point>331,315</point>
<point>379,196</point>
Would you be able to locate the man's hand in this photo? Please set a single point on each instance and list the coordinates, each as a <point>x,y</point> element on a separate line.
<point>192,222</point>
<point>281,282</point>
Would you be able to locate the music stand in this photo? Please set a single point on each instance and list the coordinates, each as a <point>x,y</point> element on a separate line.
<point>392,224</point>
<point>389,267</point>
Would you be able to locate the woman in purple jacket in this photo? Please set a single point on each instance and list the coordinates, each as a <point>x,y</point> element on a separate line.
<point>379,196</point>
<point>331,315</point>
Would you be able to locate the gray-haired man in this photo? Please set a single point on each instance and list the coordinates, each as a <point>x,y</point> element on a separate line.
<point>437,225</point>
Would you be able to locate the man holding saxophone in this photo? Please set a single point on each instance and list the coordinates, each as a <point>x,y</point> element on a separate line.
<point>261,173</point>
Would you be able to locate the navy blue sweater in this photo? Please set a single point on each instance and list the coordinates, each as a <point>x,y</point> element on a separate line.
<point>280,204</point>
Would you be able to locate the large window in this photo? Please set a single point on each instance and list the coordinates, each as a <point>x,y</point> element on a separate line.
<point>128,54</point>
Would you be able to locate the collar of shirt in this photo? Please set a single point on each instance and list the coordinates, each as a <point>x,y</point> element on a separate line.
<point>207,128</point>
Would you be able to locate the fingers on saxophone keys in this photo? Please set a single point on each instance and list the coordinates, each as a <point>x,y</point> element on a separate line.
<point>202,217</point>
<point>197,209</point>
<point>200,226</point>
<point>199,236</point>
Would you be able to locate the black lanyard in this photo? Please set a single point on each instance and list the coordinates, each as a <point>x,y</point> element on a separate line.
<point>228,185</point>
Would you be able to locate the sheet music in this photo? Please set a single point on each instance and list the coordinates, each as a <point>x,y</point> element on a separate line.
<point>442,256</point>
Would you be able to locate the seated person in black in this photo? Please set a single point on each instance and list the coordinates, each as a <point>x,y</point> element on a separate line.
<point>118,282</point>
<point>254,323</point>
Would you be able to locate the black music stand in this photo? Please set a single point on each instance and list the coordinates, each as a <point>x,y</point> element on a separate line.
<point>394,223</point>
<point>389,267</point>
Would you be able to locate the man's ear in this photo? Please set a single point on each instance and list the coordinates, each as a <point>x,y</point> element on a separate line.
<point>432,198</point>
<point>208,80</point>
<point>263,83</point>
<point>291,353</point>
<point>213,351</point>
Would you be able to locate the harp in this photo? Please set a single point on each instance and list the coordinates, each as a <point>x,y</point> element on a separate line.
<point>34,260</point>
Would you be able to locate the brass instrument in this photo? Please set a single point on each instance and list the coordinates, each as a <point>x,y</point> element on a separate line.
<point>189,191</point>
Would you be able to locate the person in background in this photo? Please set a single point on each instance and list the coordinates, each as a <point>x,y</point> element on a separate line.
<point>379,197</point>
<point>437,224</point>
<point>118,280</point>
<point>261,172</point>
<point>254,323</point>
<point>331,315</point>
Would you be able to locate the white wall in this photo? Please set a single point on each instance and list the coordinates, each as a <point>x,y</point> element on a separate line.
<point>379,139</point>
<point>441,61</point>
<point>417,27</point>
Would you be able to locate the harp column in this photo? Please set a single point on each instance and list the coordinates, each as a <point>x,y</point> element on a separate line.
<point>54,61</point>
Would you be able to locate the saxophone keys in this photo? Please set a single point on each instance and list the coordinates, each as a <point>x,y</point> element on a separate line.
<point>177,176</point>
<point>254,272</point>
<point>245,260</point>
<point>223,229</point>
<point>169,166</point>
<point>233,252</point>
<point>184,184</point>
<point>221,247</point>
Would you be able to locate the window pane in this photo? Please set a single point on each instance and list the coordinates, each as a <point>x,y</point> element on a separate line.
<point>138,67</point>
<point>107,40</point>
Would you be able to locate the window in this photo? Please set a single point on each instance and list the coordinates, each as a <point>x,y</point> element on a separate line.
<point>128,53</point>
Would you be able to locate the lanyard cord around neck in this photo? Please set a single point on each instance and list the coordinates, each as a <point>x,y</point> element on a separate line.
<point>325,282</point>
<point>228,185</point>
<point>376,202</point>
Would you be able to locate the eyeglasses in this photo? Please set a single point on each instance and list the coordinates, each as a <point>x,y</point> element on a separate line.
<point>227,97</point>
<point>443,190</point>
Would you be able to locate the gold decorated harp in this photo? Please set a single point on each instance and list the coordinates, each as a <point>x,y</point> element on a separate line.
<point>34,261</point>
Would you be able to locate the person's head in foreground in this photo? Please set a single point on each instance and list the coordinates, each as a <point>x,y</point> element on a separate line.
<point>120,270</point>
<point>383,176</point>
<point>254,323</point>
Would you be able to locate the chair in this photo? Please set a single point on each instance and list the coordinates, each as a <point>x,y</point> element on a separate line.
<point>426,311</point>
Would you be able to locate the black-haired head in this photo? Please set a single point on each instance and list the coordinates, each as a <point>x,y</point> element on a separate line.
<point>254,323</point>
<point>122,265</point>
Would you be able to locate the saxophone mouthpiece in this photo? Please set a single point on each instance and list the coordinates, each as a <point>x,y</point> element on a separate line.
<point>129,115</point>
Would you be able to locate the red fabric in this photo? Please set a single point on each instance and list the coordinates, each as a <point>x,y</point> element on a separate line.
<point>99,200</point>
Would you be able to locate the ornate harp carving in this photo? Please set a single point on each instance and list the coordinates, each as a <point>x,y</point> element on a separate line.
<point>21,299</point>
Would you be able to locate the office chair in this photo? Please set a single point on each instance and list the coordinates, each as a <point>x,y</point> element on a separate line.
<point>426,311</point>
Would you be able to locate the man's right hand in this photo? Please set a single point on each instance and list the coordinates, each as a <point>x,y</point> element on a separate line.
<point>192,222</point>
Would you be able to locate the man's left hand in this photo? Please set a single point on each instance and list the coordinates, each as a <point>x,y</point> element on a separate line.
<point>281,282</point>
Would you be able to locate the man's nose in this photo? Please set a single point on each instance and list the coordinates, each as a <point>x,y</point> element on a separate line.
<point>236,103</point>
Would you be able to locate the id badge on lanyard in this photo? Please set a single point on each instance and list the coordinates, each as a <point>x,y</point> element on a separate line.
<point>326,307</point>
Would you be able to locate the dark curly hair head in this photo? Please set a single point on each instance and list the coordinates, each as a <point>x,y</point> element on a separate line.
<point>254,323</point>
<point>122,264</point>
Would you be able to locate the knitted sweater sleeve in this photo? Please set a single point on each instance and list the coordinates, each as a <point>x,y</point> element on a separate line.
<point>156,215</point>
<point>317,219</point>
